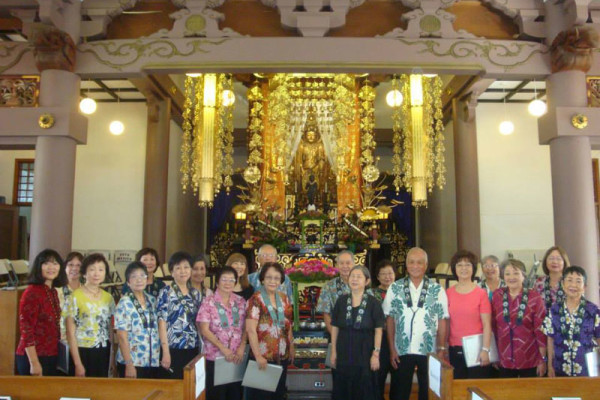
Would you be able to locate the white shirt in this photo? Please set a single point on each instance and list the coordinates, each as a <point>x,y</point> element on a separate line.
<point>416,328</point>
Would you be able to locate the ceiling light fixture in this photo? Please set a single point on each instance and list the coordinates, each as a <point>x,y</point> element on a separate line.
<point>116,127</point>
<point>506,127</point>
<point>537,107</point>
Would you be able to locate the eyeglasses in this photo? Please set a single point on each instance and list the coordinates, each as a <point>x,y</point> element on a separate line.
<point>138,277</point>
<point>555,258</point>
<point>269,256</point>
<point>227,280</point>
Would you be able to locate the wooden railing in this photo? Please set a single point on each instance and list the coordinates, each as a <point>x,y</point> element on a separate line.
<point>42,388</point>
<point>510,389</point>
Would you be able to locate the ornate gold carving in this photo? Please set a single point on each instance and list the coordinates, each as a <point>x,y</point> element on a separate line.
<point>53,48</point>
<point>46,121</point>
<point>508,55</point>
<point>195,23</point>
<point>579,121</point>
<point>120,54</point>
<point>593,92</point>
<point>19,91</point>
<point>430,24</point>
<point>572,49</point>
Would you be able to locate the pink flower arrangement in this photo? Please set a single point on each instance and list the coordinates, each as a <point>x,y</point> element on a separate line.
<point>311,270</point>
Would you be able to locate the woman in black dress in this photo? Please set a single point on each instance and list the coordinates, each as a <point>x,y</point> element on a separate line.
<point>357,325</point>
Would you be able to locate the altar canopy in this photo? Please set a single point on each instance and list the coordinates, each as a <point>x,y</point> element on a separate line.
<point>311,127</point>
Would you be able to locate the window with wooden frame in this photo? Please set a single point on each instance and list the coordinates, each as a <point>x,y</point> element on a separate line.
<point>23,184</point>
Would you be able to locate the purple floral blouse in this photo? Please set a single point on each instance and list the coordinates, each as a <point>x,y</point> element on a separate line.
<point>230,336</point>
<point>572,338</point>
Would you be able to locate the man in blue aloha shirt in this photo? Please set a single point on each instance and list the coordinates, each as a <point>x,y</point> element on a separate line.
<point>268,253</point>
<point>335,287</point>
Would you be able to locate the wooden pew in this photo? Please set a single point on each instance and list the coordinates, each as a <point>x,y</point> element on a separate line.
<point>9,329</point>
<point>189,378</point>
<point>42,388</point>
<point>529,388</point>
<point>510,389</point>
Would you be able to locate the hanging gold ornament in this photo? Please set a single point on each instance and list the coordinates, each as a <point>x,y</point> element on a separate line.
<point>418,143</point>
<point>207,143</point>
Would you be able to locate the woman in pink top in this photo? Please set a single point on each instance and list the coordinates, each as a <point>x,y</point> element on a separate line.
<point>470,314</point>
<point>221,321</point>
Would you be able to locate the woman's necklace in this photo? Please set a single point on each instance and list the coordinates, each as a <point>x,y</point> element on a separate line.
<point>522,306</point>
<point>570,322</point>
<point>560,294</point>
<point>361,311</point>
<point>94,294</point>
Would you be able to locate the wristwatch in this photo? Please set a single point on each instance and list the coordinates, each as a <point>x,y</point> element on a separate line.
<point>377,349</point>
<point>485,349</point>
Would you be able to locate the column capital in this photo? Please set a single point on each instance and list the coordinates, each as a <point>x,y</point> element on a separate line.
<point>52,48</point>
<point>470,101</point>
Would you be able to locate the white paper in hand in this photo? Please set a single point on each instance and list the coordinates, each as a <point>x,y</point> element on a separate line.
<point>262,379</point>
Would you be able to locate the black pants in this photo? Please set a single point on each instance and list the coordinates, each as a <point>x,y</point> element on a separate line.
<point>141,372</point>
<point>95,360</point>
<point>179,359</point>
<point>278,394</point>
<point>402,377</point>
<point>517,373</point>
<point>385,366</point>
<point>461,371</point>
<point>48,365</point>
<point>230,391</point>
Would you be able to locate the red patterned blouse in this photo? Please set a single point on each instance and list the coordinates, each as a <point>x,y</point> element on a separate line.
<point>273,341</point>
<point>39,317</point>
<point>519,344</point>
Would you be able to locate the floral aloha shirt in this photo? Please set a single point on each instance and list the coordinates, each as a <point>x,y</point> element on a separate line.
<point>416,327</point>
<point>92,317</point>
<point>330,293</point>
<point>273,341</point>
<point>142,331</point>
<point>573,337</point>
<point>231,334</point>
<point>180,316</point>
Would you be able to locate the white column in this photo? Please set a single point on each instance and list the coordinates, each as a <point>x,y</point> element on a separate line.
<point>572,182</point>
<point>52,209</point>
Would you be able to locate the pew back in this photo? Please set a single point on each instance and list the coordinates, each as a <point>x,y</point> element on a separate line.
<point>529,388</point>
<point>43,388</point>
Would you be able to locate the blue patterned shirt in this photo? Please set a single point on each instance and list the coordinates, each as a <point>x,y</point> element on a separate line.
<point>181,325</point>
<point>144,344</point>
<point>330,293</point>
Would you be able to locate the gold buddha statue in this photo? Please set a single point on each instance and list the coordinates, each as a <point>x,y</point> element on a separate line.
<point>310,159</point>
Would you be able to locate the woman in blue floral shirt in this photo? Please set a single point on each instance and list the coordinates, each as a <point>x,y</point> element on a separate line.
<point>572,327</point>
<point>136,323</point>
<point>177,308</point>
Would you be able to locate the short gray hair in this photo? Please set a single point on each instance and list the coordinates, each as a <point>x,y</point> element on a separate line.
<point>365,272</point>
<point>265,246</point>
<point>341,253</point>
<point>491,257</point>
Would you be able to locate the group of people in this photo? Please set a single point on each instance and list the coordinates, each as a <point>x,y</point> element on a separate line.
<point>541,330</point>
<point>159,327</point>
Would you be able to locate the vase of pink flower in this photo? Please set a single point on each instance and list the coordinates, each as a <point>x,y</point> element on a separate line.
<point>311,270</point>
